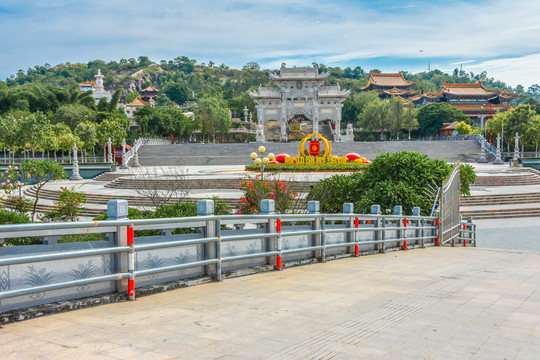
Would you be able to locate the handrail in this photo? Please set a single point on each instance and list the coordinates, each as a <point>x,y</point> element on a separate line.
<point>277,234</point>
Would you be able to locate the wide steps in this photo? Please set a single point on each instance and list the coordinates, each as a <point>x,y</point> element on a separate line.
<point>506,199</point>
<point>501,213</point>
<point>513,180</point>
<point>133,201</point>
<point>161,184</point>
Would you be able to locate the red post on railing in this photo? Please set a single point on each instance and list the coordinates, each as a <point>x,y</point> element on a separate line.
<point>404,242</point>
<point>437,239</point>
<point>131,262</point>
<point>356,224</point>
<point>278,257</point>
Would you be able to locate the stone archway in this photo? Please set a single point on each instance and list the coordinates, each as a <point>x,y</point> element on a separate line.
<point>299,90</point>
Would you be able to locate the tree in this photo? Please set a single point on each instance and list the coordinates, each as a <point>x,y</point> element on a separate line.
<point>396,111</point>
<point>251,66</point>
<point>463,128</point>
<point>375,117</point>
<point>130,97</point>
<point>532,133</point>
<point>42,171</point>
<point>518,120</point>
<point>72,115</point>
<point>87,133</point>
<point>176,92</point>
<point>213,115</point>
<point>162,99</point>
<point>409,120</point>
<point>32,130</point>
<point>432,117</point>
<point>176,189</point>
<point>164,121</point>
<point>115,127</point>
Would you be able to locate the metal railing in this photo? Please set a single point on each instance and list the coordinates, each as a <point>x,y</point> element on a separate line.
<point>191,247</point>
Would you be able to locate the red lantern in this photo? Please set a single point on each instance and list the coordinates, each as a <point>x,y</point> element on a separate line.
<point>281,157</point>
<point>314,147</point>
<point>352,156</point>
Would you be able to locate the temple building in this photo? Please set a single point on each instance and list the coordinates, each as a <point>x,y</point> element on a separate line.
<point>476,101</point>
<point>132,107</point>
<point>149,93</point>
<point>97,88</point>
<point>299,94</point>
<point>388,85</point>
<point>87,85</point>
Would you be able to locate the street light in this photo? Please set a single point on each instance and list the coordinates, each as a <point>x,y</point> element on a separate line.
<point>261,162</point>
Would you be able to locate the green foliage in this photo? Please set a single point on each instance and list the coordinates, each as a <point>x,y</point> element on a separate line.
<point>114,126</point>
<point>463,128</point>
<point>176,92</point>
<point>467,176</point>
<point>130,97</point>
<point>432,116</point>
<point>375,117</point>
<point>256,189</point>
<point>213,114</point>
<point>87,134</point>
<point>68,206</point>
<point>10,217</point>
<point>42,171</point>
<point>19,204</point>
<point>401,177</point>
<point>10,180</point>
<point>333,192</point>
<point>164,121</point>
<point>74,114</point>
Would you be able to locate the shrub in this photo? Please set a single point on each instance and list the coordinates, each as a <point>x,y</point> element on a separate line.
<point>68,206</point>
<point>257,189</point>
<point>333,192</point>
<point>402,178</point>
<point>10,217</point>
<point>18,203</point>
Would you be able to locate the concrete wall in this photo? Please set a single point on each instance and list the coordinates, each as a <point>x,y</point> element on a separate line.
<point>238,154</point>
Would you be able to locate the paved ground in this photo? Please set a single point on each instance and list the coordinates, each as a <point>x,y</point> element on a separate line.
<point>435,303</point>
<point>517,233</point>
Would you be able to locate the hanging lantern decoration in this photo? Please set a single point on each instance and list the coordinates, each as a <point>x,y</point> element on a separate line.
<point>314,147</point>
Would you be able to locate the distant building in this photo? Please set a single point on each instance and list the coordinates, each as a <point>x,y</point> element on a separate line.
<point>389,85</point>
<point>476,101</point>
<point>449,129</point>
<point>87,85</point>
<point>149,93</point>
<point>97,88</point>
<point>132,107</point>
<point>299,92</point>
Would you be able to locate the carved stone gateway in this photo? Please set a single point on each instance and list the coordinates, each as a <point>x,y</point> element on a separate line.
<point>300,91</point>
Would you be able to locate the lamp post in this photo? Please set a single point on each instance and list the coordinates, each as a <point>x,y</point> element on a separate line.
<point>261,162</point>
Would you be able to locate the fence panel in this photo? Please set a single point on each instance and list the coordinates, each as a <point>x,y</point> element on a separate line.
<point>449,207</point>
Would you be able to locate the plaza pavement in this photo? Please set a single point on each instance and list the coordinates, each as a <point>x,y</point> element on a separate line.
<point>434,303</point>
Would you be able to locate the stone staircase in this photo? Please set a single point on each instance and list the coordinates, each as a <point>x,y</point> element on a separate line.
<point>511,180</point>
<point>238,154</point>
<point>506,205</point>
<point>225,184</point>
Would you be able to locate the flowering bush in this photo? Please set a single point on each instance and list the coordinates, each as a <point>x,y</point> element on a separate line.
<point>257,189</point>
<point>10,180</point>
<point>68,207</point>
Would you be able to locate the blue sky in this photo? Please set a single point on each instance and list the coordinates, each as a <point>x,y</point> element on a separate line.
<point>500,37</point>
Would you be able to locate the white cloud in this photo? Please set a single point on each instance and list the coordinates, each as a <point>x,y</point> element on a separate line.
<point>524,70</point>
<point>270,31</point>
